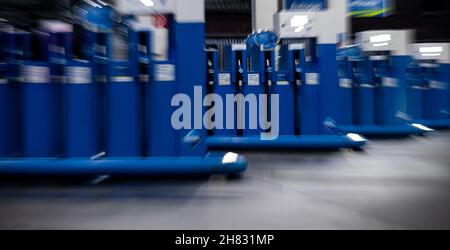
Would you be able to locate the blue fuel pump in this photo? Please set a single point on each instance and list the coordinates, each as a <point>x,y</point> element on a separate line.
<point>301,69</point>
<point>15,49</point>
<point>125,112</point>
<point>431,71</point>
<point>380,69</point>
<point>39,111</point>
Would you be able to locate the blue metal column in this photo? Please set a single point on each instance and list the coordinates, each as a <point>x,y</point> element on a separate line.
<point>56,48</point>
<point>5,113</point>
<point>392,91</point>
<point>140,56</point>
<point>97,49</point>
<point>345,73</point>
<point>39,118</point>
<point>253,87</point>
<point>161,136</point>
<point>190,73</point>
<point>364,108</point>
<point>309,100</point>
<point>297,59</point>
<point>437,94</point>
<point>81,120</point>
<point>223,85</point>
<point>124,124</point>
<point>331,94</point>
<point>16,49</point>
<point>283,85</point>
<point>415,90</point>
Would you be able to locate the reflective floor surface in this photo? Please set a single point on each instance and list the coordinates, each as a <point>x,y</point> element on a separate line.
<point>392,184</point>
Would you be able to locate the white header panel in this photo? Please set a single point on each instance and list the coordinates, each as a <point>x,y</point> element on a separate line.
<point>431,51</point>
<point>333,22</point>
<point>145,7</point>
<point>262,14</point>
<point>296,24</point>
<point>395,41</point>
<point>190,11</point>
<point>185,11</point>
<point>330,26</point>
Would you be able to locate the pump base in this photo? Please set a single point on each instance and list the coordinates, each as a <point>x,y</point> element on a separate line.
<point>212,164</point>
<point>384,130</point>
<point>435,123</point>
<point>287,142</point>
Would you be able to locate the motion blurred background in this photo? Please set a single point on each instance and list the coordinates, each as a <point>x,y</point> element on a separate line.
<point>428,17</point>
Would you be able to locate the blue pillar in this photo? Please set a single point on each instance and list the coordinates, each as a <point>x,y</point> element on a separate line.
<point>81,122</point>
<point>125,121</point>
<point>39,111</point>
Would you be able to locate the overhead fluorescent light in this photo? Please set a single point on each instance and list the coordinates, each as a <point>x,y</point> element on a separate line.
<point>148,3</point>
<point>299,21</point>
<point>436,49</point>
<point>380,38</point>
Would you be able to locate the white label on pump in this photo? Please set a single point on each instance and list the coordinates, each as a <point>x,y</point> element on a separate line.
<point>119,79</point>
<point>346,83</point>
<point>78,75</point>
<point>235,47</point>
<point>296,46</point>
<point>389,82</point>
<point>282,83</point>
<point>36,74</point>
<point>224,79</point>
<point>437,85</point>
<point>367,86</point>
<point>253,79</point>
<point>165,72</point>
<point>312,78</point>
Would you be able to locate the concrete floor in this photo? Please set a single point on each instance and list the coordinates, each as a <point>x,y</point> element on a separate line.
<point>393,184</point>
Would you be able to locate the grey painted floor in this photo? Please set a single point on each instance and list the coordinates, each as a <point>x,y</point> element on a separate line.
<point>393,184</point>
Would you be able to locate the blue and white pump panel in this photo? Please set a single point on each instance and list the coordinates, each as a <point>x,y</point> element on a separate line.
<point>316,75</point>
<point>386,56</point>
<point>429,94</point>
<point>188,153</point>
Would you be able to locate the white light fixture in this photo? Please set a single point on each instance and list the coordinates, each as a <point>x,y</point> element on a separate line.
<point>229,158</point>
<point>299,22</point>
<point>381,38</point>
<point>148,3</point>
<point>356,137</point>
